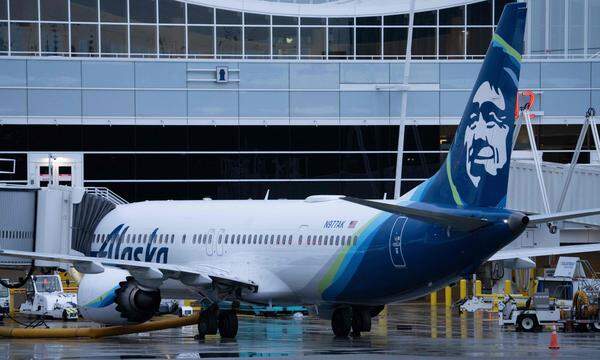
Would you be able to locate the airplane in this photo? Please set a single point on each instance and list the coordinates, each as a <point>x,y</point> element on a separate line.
<point>347,256</point>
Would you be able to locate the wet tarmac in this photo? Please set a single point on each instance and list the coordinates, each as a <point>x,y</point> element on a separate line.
<point>405,331</point>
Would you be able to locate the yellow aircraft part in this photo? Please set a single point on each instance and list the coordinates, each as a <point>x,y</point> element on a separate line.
<point>98,332</point>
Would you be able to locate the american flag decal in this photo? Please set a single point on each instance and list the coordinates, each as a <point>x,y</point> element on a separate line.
<point>352,224</point>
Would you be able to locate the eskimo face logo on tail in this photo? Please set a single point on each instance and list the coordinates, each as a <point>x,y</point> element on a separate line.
<point>112,248</point>
<point>486,133</point>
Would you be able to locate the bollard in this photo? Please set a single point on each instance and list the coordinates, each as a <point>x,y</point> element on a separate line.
<point>463,289</point>
<point>448,296</point>
<point>433,298</point>
<point>507,287</point>
<point>477,287</point>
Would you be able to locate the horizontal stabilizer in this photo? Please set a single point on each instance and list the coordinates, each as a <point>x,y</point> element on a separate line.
<point>544,251</point>
<point>425,212</point>
<point>565,215</point>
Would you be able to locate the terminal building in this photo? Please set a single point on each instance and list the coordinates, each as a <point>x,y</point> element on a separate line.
<point>169,99</point>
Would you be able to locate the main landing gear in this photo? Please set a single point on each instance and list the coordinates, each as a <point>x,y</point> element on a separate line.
<point>355,319</point>
<point>212,320</point>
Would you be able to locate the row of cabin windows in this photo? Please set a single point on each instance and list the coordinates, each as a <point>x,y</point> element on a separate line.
<point>337,240</point>
<point>16,234</point>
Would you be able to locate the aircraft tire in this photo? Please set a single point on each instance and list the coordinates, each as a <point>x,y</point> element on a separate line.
<point>341,322</point>
<point>228,324</point>
<point>361,321</point>
<point>208,324</point>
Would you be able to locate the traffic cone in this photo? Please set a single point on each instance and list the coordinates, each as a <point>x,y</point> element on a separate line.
<point>554,339</point>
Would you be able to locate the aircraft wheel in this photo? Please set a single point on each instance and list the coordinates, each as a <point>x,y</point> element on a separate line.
<point>361,322</point>
<point>208,324</point>
<point>341,322</point>
<point>228,324</point>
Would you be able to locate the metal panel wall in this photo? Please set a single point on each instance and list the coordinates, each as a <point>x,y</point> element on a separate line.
<point>17,222</point>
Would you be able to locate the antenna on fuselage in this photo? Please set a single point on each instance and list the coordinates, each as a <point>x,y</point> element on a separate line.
<point>267,194</point>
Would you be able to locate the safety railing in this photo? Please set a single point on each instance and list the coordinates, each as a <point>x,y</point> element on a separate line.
<point>106,193</point>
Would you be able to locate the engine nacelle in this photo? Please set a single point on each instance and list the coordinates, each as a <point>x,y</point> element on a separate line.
<point>114,297</point>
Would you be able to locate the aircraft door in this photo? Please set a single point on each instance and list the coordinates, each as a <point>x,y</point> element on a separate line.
<point>210,242</point>
<point>396,243</point>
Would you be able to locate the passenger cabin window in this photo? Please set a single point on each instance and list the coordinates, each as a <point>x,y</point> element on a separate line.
<point>183,239</point>
<point>300,240</point>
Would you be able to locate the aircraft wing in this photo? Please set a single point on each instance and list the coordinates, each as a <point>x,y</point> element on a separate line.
<point>544,218</point>
<point>543,251</point>
<point>197,275</point>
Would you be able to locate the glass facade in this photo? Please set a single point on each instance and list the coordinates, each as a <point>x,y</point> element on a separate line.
<point>557,28</point>
<point>160,129</point>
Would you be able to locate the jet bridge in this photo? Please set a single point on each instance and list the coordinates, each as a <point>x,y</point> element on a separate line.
<point>54,219</point>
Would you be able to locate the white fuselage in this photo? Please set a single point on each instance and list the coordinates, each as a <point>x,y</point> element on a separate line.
<point>263,240</point>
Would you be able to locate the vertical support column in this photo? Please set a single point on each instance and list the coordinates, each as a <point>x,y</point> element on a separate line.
<point>507,287</point>
<point>400,153</point>
<point>448,296</point>
<point>463,289</point>
<point>537,161</point>
<point>433,298</point>
<point>477,287</point>
<point>574,159</point>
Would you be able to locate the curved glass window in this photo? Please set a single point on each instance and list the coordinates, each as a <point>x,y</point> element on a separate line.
<point>478,40</point>
<point>312,21</point>
<point>3,9</point>
<point>256,19</point>
<point>368,43</point>
<point>285,41</point>
<point>426,18</point>
<point>341,43</point>
<point>424,42</point>
<point>24,37</point>
<point>84,39</point>
<point>171,40</point>
<point>341,21</point>
<point>229,40</point>
<point>143,39</point>
<point>370,20</point>
<point>3,37</point>
<point>285,20</point>
<point>84,10</point>
<point>394,42</point>
<point>200,14</point>
<point>257,40</point>
<point>227,17</point>
<point>312,44</point>
<point>171,12</point>
<point>452,41</point>
<point>114,39</point>
<point>452,16</point>
<point>395,20</point>
<point>480,13</point>
<point>23,10</point>
<point>113,11</point>
<point>55,39</point>
<point>142,11</point>
<point>200,40</point>
<point>53,10</point>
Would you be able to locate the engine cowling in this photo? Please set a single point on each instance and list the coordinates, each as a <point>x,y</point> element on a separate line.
<point>114,297</point>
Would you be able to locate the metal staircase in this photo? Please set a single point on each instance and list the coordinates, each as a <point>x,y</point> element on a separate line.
<point>107,194</point>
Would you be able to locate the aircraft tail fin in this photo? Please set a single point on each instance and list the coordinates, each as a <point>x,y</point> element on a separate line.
<point>475,172</point>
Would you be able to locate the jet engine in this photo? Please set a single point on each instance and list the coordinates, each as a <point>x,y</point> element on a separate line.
<point>114,297</point>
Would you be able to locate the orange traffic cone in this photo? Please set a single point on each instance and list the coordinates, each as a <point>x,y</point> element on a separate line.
<point>554,339</point>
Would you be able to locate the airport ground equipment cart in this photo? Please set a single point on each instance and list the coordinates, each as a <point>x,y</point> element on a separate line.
<point>45,297</point>
<point>4,300</point>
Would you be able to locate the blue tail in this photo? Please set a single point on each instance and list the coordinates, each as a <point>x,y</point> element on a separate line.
<point>475,172</point>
